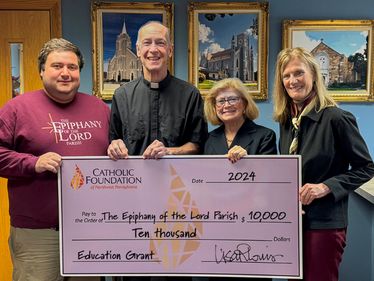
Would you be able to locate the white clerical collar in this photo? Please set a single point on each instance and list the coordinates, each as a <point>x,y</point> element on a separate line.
<point>154,85</point>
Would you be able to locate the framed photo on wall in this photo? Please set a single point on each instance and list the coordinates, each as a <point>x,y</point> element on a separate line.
<point>115,29</point>
<point>229,40</point>
<point>343,49</point>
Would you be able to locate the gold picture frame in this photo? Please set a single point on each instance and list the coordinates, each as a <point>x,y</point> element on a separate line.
<point>343,48</point>
<point>229,40</point>
<point>115,24</point>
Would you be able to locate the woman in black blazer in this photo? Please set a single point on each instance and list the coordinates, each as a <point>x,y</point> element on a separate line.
<point>335,158</point>
<point>230,105</point>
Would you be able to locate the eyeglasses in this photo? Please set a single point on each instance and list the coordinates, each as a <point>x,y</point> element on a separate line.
<point>230,100</point>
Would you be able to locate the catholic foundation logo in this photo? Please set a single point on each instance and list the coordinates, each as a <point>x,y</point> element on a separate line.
<point>117,178</point>
<point>78,179</point>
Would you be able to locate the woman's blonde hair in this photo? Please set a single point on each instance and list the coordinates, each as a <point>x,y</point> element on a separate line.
<point>251,109</point>
<point>282,101</point>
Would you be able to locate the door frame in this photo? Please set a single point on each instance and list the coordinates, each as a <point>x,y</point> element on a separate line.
<point>53,6</point>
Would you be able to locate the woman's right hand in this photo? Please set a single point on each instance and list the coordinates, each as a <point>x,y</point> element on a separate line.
<point>236,153</point>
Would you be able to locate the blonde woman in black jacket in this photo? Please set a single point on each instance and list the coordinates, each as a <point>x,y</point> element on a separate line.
<point>230,105</point>
<point>335,158</point>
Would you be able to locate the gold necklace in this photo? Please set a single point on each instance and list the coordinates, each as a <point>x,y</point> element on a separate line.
<point>229,142</point>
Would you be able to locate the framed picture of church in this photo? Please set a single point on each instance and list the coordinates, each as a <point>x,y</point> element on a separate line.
<point>115,28</point>
<point>344,51</point>
<point>229,40</point>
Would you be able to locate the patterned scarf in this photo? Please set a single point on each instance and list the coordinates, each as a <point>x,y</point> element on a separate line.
<point>296,120</point>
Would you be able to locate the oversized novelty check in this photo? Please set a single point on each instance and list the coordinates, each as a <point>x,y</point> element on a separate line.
<point>198,215</point>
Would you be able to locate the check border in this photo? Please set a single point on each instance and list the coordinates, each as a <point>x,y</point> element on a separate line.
<point>95,158</point>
